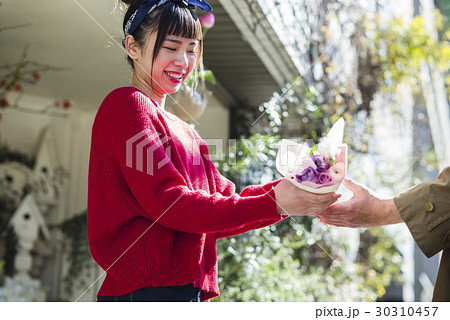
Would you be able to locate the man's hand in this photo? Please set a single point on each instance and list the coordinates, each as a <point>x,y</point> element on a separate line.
<point>365,209</point>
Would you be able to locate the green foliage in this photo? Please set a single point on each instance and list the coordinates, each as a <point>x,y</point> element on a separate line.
<point>8,239</point>
<point>287,262</point>
<point>257,267</point>
<point>79,257</point>
<point>405,48</point>
<point>8,155</point>
<point>313,149</point>
<point>195,77</point>
<point>302,259</point>
<point>258,151</point>
<point>208,75</point>
<point>378,260</point>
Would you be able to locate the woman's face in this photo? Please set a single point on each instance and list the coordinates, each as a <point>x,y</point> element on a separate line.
<point>173,64</point>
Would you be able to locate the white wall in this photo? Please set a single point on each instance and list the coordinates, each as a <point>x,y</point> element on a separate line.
<point>214,122</point>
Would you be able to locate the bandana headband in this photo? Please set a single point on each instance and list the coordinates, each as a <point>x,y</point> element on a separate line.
<point>149,5</point>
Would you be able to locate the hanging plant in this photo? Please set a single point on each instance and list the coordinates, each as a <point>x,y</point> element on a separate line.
<point>8,242</point>
<point>76,242</point>
<point>190,102</point>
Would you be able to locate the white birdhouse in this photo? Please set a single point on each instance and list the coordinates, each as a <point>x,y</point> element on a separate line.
<point>44,169</point>
<point>27,221</point>
<point>13,178</point>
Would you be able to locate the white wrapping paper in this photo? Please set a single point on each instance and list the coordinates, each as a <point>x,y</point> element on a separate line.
<point>321,172</point>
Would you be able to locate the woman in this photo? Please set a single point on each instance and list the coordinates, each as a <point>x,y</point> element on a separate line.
<point>156,203</point>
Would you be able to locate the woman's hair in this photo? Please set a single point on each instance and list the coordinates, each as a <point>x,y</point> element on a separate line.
<point>172,18</point>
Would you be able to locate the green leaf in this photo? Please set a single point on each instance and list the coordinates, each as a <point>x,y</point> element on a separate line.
<point>311,152</point>
<point>209,76</point>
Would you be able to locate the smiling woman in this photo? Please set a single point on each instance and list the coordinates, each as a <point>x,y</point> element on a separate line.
<point>169,19</point>
<point>165,73</point>
<point>171,28</point>
<point>156,202</point>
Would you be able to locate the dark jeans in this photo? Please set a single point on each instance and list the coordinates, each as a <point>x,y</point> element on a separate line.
<point>186,293</point>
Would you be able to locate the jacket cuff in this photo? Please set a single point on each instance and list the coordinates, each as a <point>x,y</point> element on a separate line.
<point>425,212</point>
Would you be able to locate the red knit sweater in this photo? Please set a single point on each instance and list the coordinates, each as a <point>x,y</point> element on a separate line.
<point>156,203</point>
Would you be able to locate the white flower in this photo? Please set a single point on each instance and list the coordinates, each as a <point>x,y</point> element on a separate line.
<point>328,148</point>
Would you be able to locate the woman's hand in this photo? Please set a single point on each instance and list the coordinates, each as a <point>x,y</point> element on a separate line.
<point>365,209</point>
<point>297,202</point>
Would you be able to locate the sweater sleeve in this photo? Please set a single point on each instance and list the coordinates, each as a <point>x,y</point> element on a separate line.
<point>147,175</point>
<point>226,187</point>
<point>254,190</point>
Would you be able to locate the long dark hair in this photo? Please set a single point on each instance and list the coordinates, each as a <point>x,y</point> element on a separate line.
<point>172,18</point>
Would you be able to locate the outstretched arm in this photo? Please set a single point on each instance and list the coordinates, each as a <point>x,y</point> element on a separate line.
<point>290,200</point>
<point>365,209</point>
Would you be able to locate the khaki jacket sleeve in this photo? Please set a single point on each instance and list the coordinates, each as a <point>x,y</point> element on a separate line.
<point>425,208</point>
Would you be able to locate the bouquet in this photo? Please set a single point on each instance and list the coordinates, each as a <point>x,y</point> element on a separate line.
<point>319,169</point>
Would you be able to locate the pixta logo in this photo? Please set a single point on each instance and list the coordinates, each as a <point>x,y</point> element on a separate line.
<point>141,147</point>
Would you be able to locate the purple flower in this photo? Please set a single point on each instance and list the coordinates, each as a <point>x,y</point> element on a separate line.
<point>309,174</point>
<point>321,162</point>
<point>323,178</point>
<point>207,21</point>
